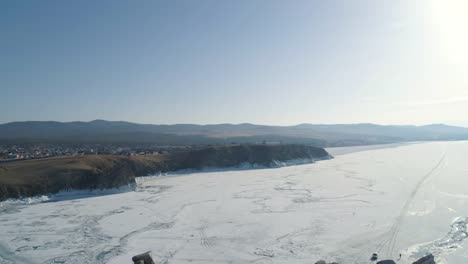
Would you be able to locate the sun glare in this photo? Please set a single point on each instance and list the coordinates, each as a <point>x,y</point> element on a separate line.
<point>451,24</point>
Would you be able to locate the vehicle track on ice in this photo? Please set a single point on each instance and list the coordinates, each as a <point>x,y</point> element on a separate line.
<point>392,234</point>
<point>205,241</point>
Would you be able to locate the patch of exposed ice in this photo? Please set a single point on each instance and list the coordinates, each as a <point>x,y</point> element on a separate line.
<point>242,166</point>
<point>13,204</point>
<point>454,195</point>
<point>64,195</point>
<point>336,151</point>
<point>443,246</point>
<point>81,194</point>
<point>429,207</point>
<point>22,201</point>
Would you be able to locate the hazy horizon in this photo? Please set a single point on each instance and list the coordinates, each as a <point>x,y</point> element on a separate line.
<point>243,123</point>
<point>209,62</point>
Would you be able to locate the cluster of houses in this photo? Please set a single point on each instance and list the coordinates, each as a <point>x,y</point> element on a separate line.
<point>38,151</point>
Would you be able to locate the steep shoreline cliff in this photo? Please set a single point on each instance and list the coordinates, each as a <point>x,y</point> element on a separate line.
<point>48,176</point>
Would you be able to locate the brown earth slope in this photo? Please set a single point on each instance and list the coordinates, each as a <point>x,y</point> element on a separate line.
<point>45,176</point>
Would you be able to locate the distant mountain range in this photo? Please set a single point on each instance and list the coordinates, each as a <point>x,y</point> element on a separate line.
<point>101,131</point>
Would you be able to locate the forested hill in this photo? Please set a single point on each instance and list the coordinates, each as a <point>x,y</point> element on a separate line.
<point>101,131</point>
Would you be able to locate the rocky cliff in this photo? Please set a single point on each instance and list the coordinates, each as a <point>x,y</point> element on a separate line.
<point>48,176</point>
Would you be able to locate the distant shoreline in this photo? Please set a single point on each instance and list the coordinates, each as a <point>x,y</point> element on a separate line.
<point>338,151</point>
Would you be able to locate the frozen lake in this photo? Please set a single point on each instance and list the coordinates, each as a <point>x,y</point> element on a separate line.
<point>409,200</point>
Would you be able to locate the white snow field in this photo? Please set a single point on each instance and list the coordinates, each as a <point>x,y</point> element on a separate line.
<point>409,199</point>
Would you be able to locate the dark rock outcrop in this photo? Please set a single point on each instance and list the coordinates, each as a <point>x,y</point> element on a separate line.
<point>429,259</point>
<point>144,258</point>
<point>388,261</point>
<point>48,176</point>
<point>232,156</point>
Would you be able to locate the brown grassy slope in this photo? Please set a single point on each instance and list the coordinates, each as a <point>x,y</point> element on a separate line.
<point>34,177</point>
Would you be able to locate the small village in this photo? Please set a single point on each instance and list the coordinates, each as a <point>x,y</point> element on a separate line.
<point>39,151</point>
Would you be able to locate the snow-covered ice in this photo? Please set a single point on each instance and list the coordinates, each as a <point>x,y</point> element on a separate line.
<point>407,199</point>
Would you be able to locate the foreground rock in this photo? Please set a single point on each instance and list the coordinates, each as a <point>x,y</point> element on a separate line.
<point>48,176</point>
<point>323,262</point>
<point>144,258</point>
<point>429,259</point>
<point>389,261</point>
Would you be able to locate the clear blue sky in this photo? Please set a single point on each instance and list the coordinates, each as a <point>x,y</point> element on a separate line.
<point>266,62</point>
